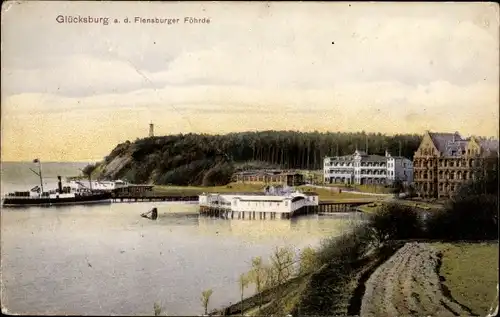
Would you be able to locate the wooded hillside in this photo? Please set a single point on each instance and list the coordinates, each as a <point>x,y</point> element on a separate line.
<point>202,159</point>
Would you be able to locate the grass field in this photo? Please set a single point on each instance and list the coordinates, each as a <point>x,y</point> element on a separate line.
<point>324,194</point>
<point>420,204</point>
<point>471,273</point>
<point>373,207</point>
<point>374,189</point>
<point>370,208</point>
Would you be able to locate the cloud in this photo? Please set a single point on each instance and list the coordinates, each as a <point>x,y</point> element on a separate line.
<point>392,68</point>
<point>279,46</point>
<point>92,126</point>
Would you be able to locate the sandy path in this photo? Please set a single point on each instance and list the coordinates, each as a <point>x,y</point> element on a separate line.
<point>408,285</point>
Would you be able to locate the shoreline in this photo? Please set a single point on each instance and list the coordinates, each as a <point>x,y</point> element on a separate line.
<point>397,263</point>
<point>351,298</point>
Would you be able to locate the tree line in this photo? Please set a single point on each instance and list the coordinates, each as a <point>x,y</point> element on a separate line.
<point>202,159</point>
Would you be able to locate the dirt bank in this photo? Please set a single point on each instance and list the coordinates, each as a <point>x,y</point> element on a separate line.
<point>408,284</point>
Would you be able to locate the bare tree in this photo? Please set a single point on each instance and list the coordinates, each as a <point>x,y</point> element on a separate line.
<point>282,261</point>
<point>243,281</point>
<point>257,275</point>
<point>205,298</point>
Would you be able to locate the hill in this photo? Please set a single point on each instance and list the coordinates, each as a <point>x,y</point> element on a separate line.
<point>209,160</point>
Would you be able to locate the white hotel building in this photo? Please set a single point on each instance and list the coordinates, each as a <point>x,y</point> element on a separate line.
<point>361,168</point>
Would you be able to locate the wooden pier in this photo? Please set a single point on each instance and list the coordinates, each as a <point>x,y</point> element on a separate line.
<point>322,208</point>
<point>147,198</point>
<point>332,207</point>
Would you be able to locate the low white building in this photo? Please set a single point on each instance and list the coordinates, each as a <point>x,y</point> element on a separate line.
<point>269,202</point>
<point>361,168</point>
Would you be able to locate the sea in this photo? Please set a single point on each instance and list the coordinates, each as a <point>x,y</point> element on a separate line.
<point>107,260</point>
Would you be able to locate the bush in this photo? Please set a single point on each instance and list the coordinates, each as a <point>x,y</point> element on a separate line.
<point>472,214</point>
<point>346,248</point>
<point>394,221</point>
<point>466,218</point>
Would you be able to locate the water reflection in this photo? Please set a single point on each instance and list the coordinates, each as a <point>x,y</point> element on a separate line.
<point>272,229</point>
<point>106,259</point>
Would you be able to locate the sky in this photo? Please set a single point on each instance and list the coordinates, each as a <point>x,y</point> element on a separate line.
<point>72,91</point>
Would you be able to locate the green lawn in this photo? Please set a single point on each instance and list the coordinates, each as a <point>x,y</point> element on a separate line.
<point>374,189</point>
<point>324,194</point>
<point>196,190</point>
<point>327,194</point>
<point>372,207</point>
<point>420,204</point>
<point>471,273</point>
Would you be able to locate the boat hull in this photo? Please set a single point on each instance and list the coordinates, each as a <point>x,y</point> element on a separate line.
<point>47,202</point>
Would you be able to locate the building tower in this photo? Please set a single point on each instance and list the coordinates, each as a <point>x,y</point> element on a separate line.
<point>151,130</point>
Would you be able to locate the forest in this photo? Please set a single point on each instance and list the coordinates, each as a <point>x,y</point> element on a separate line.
<point>209,160</point>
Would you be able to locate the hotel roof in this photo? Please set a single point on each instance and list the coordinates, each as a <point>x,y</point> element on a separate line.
<point>375,158</point>
<point>489,144</point>
<point>441,140</point>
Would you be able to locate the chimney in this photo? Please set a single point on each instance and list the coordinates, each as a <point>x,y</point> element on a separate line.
<point>387,153</point>
<point>59,184</point>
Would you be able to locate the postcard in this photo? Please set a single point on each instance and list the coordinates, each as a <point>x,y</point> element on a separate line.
<point>249,158</point>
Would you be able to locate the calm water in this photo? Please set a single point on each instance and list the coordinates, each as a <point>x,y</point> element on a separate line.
<point>107,260</point>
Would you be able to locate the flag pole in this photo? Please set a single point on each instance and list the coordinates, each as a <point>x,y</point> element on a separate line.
<point>40,173</point>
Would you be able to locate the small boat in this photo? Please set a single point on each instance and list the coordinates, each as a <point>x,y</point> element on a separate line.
<point>63,195</point>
